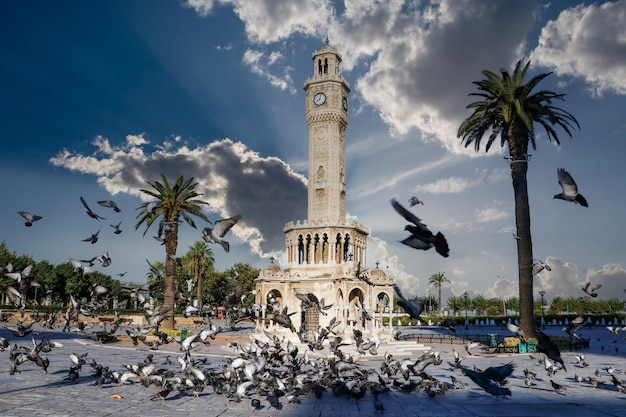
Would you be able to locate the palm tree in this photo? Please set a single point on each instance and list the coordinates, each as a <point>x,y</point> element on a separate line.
<point>196,262</point>
<point>507,108</point>
<point>437,280</point>
<point>171,203</point>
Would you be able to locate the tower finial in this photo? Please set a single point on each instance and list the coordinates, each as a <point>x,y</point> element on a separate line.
<point>327,40</point>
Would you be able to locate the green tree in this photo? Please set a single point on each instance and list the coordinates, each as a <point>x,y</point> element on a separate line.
<point>172,203</point>
<point>509,109</point>
<point>437,280</point>
<point>196,262</point>
<point>155,278</point>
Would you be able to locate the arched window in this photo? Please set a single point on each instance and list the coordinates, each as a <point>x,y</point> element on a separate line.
<point>300,250</point>
<point>319,67</point>
<point>347,255</point>
<point>326,66</point>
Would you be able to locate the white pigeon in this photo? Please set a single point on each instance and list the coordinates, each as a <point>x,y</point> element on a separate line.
<point>219,230</point>
<point>569,189</point>
<point>18,276</point>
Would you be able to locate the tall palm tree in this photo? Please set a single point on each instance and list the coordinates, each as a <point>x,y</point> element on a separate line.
<point>508,108</point>
<point>437,280</point>
<point>170,204</point>
<point>196,261</point>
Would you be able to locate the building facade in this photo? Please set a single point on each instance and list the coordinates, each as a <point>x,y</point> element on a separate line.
<point>326,254</point>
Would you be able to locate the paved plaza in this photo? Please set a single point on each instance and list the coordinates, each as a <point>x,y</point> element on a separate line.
<point>35,393</point>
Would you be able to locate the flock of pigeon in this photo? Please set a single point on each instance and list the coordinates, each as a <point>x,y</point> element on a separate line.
<point>17,293</point>
<point>423,239</point>
<point>271,369</point>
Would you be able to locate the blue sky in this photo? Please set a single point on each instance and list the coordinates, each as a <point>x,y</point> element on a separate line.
<point>100,97</point>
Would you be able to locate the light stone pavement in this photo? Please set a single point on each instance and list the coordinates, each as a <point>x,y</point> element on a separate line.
<point>35,393</point>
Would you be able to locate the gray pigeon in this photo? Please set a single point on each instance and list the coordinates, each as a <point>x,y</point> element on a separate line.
<point>421,237</point>
<point>30,218</point>
<point>590,289</point>
<point>219,230</point>
<point>111,204</point>
<point>570,189</point>
<point>89,212</point>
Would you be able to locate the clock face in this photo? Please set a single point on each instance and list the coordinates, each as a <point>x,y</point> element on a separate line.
<point>344,103</point>
<point>319,99</point>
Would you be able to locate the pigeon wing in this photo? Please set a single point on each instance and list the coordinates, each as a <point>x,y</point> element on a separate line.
<point>82,200</point>
<point>408,216</point>
<point>415,243</point>
<point>221,227</point>
<point>567,183</point>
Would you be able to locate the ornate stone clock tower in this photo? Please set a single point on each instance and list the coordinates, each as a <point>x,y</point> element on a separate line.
<point>326,254</point>
<point>327,117</point>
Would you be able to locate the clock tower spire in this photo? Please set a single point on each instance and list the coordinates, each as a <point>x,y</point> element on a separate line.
<point>327,117</point>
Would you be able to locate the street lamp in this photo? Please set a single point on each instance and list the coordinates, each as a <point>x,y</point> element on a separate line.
<point>466,296</point>
<point>542,293</point>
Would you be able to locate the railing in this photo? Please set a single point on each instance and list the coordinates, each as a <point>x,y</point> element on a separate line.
<point>485,339</point>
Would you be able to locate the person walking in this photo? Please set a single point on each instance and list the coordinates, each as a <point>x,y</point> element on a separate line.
<point>68,318</point>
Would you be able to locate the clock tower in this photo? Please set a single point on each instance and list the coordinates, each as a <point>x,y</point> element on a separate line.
<point>326,253</point>
<point>327,117</point>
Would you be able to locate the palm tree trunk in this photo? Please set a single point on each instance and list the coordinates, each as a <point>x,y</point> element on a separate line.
<point>200,272</point>
<point>439,309</point>
<point>170,275</point>
<point>519,168</point>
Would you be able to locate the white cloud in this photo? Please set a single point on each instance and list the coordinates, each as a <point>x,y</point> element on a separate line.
<point>587,41</point>
<point>377,252</point>
<point>202,7</point>
<point>490,215</point>
<point>268,21</point>
<point>232,179</point>
<point>258,65</point>
<point>451,185</point>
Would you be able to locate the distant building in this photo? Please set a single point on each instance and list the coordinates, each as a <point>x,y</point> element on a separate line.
<point>326,252</point>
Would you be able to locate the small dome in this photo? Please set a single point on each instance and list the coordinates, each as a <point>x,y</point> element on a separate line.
<point>271,269</point>
<point>378,275</point>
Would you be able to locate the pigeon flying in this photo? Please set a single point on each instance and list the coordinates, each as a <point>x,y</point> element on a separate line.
<point>570,190</point>
<point>421,237</point>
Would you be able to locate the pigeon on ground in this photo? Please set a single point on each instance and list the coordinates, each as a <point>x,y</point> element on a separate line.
<point>590,289</point>
<point>219,230</point>
<point>111,204</point>
<point>30,218</point>
<point>89,212</point>
<point>558,388</point>
<point>570,190</point>
<point>421,237</point>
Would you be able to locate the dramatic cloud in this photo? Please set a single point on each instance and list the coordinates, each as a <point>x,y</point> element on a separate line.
<point>411,77</point>
<point>587,42</point>
<point>232,178</point>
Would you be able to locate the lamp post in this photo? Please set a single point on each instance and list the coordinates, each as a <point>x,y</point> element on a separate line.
<point>542,293</point>
<point>466,296</point>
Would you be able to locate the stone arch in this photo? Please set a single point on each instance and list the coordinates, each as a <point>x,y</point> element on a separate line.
<point>382,302</point>
<point>356,297</point>
<point>347,253</point>
<point>274,300</point>
<point>300,249</point>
